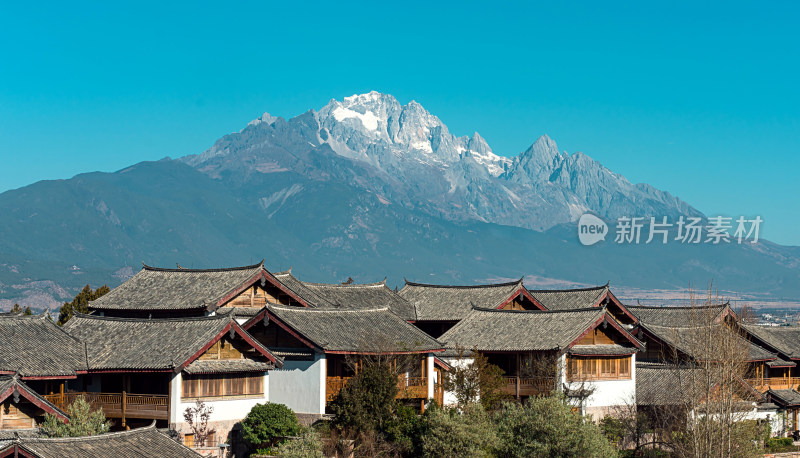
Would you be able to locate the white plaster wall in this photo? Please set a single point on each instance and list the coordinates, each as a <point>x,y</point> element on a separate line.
<point>225,409</point>
<point>431,375</point>
<point>449,396</point>
<point>300,385</point>
<point>607,393</point>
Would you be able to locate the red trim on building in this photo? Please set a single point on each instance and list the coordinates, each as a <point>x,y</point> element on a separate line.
<point>610,296</point>
<point>240,332</point>
<point>48,377</point>
<point>34,400</point>
<point>613,322</point>
<point>264,274</point>
<point>260,316</point>
<point>525,293</point>
<point>338,352</point>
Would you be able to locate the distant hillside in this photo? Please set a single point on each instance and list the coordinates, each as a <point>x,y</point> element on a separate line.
<point>364,188</point>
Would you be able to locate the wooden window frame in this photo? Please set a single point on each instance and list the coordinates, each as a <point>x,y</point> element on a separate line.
<point>222,386</point>
<point>598,368</point>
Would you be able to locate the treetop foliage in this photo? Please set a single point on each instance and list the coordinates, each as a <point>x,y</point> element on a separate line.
<point>81,303</point>
<point>83,421</point>
<point>267,422</point>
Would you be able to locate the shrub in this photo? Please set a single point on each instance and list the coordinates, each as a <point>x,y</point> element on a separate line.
<point>83,421</point>
<point>453,433</point>
<point>267,422</point>
<point>547,426</point>
<point>405,429</point>
<point>779,442</point>
<point>307,445</point>
<point>367,401</point>
<point>477,380</point>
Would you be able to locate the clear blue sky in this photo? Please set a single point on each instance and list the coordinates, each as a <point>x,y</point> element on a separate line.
<point>696,98</point>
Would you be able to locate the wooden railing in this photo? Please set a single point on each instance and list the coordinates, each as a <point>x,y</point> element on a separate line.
<point>119,405</point>
<point>528,386</point>
<point>407,387</point>
<point>775,383</point>
<point>412,388</point>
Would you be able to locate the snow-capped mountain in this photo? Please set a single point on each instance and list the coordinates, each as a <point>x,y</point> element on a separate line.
<point>408,156</point>
<point>365,188</point>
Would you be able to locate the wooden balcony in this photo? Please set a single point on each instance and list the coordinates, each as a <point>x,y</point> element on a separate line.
<point>528,386</point>
<point>775,383</point>
<point>119,405</point>
<point>407,387</point>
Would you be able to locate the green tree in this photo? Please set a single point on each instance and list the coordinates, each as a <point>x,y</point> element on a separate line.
<point>18,309</point>
<point>547,427</point>
<point>81,303</point>
<point>450,432</point>
<point>475,380</point>
<point>367,401</point>
<point>83,421</point>
<point>307,445</point>
<point>267,422</point>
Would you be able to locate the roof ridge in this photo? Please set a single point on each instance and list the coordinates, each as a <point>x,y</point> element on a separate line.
<point>676,307</point>
<point>153,320</point>
<point>539,312</point>
<point>185,270</point>
<point>327,309</point>
<point>429,285</point>
<point>151,427</point>
<point>567,290</point>
<point>349,285</point>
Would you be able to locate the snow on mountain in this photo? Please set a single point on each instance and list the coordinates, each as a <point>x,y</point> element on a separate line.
<point>409,156</point>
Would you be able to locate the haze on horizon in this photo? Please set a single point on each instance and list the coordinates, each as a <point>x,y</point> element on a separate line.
<point>698,100</point>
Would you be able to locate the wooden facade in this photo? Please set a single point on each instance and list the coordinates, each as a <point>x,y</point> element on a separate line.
<point>19,415</point>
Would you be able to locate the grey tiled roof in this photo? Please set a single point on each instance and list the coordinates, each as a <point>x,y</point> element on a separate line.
<point>209,366</point>
<point>452,303</point>
<point>784,398</point>
<point>783,339</point>
<point>12,384</point>
<point>339,329</point>
<point>780,362</point>
<point>602,350</point>
<point>34,346</point>
<point>128,343</point>
<point>353,295</point>
<point>659,385</point>
<point>685,340</point>
<point>8,436</point>
<point>175,289</point>
<point>569,299</point>
<point>677,316</point>
<point>507,330</point>
<point>143,442</point>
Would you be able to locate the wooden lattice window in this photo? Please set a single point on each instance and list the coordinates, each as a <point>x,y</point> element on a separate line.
<point>220,385</point>
<point>598,368</point>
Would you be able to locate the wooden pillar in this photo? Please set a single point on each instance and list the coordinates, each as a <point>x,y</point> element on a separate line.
<point>124,405</point>
<point>517,379</point>
<point>61,395</point>
<point>794,419</point>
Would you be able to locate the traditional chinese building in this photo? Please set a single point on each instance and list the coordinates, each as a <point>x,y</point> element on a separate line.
<point>169,293</point>
<point>585,353</point>
<point>321,348</point>
<point>35,350</point>
<point>141,370</point>
<point>579,298</point>
<point>23,408</point>
<point>147,441</point>
<point>438,308</point>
